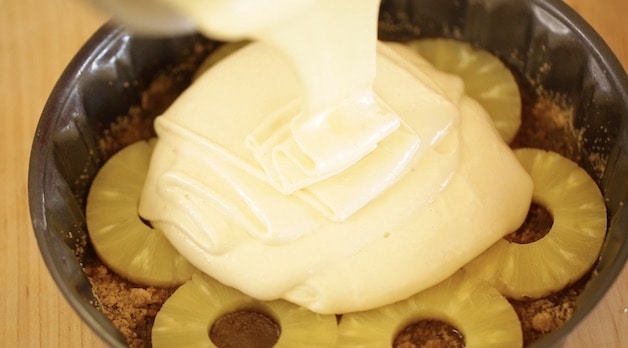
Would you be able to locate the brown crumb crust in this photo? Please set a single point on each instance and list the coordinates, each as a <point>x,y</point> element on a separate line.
<point>542,316</point>
<point>547,123</point>
<point>131,308</point>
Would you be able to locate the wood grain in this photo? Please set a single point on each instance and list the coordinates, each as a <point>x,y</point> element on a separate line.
<point>37,40</point>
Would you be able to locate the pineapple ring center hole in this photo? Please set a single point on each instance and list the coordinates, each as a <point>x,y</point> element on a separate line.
<point>429,333</point>
<point>537,224</point>
<point>245,328</point>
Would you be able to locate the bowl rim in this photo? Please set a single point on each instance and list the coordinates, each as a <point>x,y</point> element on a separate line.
<point>110,32</point>
<point>107,34</point>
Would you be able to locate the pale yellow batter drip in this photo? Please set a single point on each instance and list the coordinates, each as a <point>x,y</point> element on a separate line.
<point>266,178</point>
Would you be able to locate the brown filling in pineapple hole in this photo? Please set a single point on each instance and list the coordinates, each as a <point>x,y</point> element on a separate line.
<point>537,224</point>
<point>250,328</point>
<point>429,334</point>
<point>245,328</point>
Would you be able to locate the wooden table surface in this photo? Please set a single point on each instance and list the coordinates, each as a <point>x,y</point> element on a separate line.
<point>37,40</point>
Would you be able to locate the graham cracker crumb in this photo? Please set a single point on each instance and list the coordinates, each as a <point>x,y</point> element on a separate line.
<point>131,308</point>
<point>541,316</point>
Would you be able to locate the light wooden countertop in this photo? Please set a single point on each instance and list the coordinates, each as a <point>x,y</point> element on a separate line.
<point>37,40</point>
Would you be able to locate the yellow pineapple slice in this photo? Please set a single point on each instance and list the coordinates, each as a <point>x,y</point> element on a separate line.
<point>571,246</point>
<point>188,315</point>
<point>483,316</point>
<point>485,77</point>
<point>121,239</point>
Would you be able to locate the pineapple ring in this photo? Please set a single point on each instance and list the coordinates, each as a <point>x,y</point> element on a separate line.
<point>571,246</point>
<point>123,242</point>
<point>483,316</point>
<point>187,316</point>
<point>486,79</point>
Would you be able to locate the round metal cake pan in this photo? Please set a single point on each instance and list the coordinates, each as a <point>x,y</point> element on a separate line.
<point>107,76</point>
